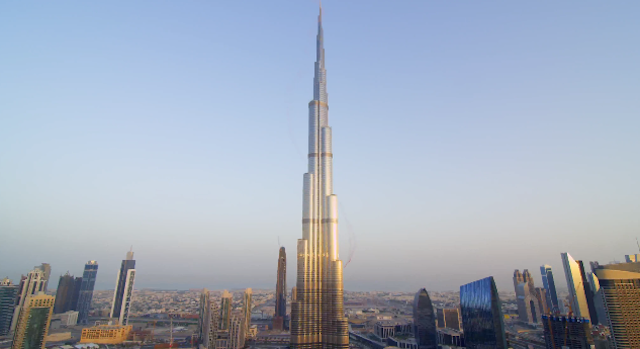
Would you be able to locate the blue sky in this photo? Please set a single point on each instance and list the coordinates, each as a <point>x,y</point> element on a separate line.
<point>470,138</point>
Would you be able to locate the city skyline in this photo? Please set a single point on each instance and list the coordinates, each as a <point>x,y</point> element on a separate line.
<point>469,156</point>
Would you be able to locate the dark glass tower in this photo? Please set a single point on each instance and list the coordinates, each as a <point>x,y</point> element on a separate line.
<point>550,286</point>
<point>8,298</point>
<point>424,321</point>
<point>281,292</point>
<point>482,317</point>
<point>124,290</point>
<point>64,294</point>
<point>76,294</point>
<point>86,291</point>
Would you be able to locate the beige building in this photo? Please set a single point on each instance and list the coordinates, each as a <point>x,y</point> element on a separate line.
<point>620,286</point>
<point>32,325</point>
<point>105,334</point>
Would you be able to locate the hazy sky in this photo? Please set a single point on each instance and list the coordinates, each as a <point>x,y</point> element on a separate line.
<point>470,137</point>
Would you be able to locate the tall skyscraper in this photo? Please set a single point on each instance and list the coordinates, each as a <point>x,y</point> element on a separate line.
<point>593,316</point>
<point>620,284</point>
<point>550,286</point>
<point>246,309</point>
<point>281,292</point>
<point>64,294</point>
<point>208,320</point>
<point>46,270</point>
<point>482,317</point>
<point>33,322</point>
<point>575,284</point>
<point>76,293</point>
<point>31,284</point>
<point>567,332</point>
<point>529,308</point>
<point>317,315</point>
<point>124,290</point>
<point>8,298</point>
<point>86,291</point>
<point>424,321</point>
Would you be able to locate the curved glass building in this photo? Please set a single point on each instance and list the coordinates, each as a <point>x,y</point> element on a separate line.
<point>482,317</point>
<point>424,321</point>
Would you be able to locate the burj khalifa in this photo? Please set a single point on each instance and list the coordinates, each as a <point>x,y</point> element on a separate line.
<point>317,315</point>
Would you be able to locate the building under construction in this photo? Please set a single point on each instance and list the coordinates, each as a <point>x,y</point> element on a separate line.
<point>562,332</point>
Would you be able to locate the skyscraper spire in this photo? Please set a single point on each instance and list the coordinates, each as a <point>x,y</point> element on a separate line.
<point>317,314</point>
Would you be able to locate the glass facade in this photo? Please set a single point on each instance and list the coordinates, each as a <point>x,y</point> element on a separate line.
<point>424,321</point>
<point>86,291</point>
<point>8,297</point>
<point>482,317</point>
<point>549,285</point>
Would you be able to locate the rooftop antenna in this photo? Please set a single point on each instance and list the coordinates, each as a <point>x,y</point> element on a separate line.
<point>638,243</point>
<point>279,242</point>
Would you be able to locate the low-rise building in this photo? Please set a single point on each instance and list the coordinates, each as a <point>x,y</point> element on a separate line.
<point>106,334</point>
<point>69,318</point>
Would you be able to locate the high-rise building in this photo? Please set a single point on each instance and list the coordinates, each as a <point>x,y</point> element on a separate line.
<point>46,270</point>
<point>124,290</point>
<point>237,331</point>
<point>482,317</point>
<point>448,318</point>
<point>8,297</point>
<point>208,321</point>
<point>33,322</point>
<point>550,286</point>
<point>294,294</point>
<point>226,302</point>
<point>86,291</point>
<point>30,285</point>
<point>317,315</point>
<point>64,294</point>
<point>620,284</point>
<point>281,292</point>
<point>529,307</point>
<point>593,316</point>
<point>75,297</point>
<point>424,321</point>
<point>567,332</point>
<point>541,296</point>
<point>575,284</point>
<point>246,310</point>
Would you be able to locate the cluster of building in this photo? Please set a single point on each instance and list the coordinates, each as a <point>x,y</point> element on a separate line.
<point>27,312</point>
<point>220,326</point>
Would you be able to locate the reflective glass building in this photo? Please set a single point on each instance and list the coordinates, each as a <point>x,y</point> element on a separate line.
<point>86,291</point>
<point>424,321</point>
<point>482,318</point>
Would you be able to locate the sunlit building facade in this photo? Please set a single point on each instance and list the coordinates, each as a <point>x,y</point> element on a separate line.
<point>33,322</point>
<point>577,296</point>
<point>106,334</point>
<point>317,314</point>
<point>482,317</point>
<point>424,321</point>
<point>123,294</point>
<point>620,285</point>
<point>30,285</point>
